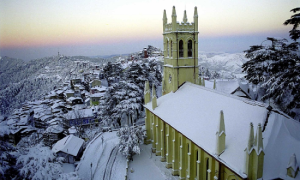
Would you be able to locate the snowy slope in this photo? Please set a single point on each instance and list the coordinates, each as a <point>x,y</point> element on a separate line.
<point>25,81</point>
<point>99,154</point>
<point>222,61</point>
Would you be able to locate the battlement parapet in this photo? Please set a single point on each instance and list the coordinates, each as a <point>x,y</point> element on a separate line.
<point>180,27</point>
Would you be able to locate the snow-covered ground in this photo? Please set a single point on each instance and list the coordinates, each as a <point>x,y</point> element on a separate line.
<point>148,166</point>
<point>107,162</point>
<point>67,168</point>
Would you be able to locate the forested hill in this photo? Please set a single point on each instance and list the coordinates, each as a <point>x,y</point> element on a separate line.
<point>9,71</point>
<point>22,81</point>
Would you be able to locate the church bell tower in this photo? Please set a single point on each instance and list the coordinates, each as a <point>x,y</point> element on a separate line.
<point>180,51</point>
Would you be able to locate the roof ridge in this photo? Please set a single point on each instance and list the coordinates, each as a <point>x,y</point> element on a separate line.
<point>245,100</point>
<point>248,101</point>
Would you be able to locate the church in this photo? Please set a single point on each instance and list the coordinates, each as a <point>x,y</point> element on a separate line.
<point>204,134</point>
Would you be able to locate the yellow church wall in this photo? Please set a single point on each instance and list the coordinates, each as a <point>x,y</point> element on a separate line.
<point>153,133</point>
<point>172,54</point>
<point>163,143</point>
<point>187,74</point>
<point>182,156</point>
<point>169,81</point>
<point>227,174</point>
<point>175,157</point>
<point>147,140</point>
<point>158,136</point>
<point>172,80</point>
<point>187,160</point>
<point>183,67</point>
<point>169,152</point>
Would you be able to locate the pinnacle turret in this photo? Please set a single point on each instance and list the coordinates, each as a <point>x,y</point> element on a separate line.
<point>165,20</point>
<point>185,17</point>
<point>259,140</point>
<point>195,12</point>
<point>174,12</point>
<point>154,98</point>
<point>221,135</point>
<point>147,92</point>
<point>174,19</point>
<point>250,139</point>
<point>196,19</point>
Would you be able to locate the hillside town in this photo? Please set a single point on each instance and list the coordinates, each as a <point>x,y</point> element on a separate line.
<point>171,113</point>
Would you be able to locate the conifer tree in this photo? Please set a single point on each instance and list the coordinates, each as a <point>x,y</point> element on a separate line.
<point>295,21</point>
<point>130,140</point>
<point>112,71</point>
<point>121,98</point>
<point>276,66</point>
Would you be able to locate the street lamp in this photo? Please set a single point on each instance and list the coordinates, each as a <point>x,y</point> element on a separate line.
<point>91,171</point>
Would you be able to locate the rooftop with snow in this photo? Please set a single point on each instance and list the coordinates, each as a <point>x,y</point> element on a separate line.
<point>199,110</point>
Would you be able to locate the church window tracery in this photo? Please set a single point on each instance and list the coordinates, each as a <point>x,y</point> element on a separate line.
<point>168,47</point>
<point>171,49</point>
<point>180,48</point>
<point>190,48</point>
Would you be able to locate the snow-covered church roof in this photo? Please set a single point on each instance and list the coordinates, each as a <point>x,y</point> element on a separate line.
<point>199,109</point>
<point>69,145</point>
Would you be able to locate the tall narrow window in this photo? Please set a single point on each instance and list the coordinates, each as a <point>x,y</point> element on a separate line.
<point>190,48</point>
<point>180,140</point>
<point>168,48</point>
<point>180,48</point>
<point>207,168</point>
<point>171,49</point>
<point>197,159</point>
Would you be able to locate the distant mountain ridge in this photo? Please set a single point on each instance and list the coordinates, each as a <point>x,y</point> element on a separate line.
<point>228,62</point>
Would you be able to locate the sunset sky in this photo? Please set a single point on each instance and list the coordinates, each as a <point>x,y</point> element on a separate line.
<point>37,28</point>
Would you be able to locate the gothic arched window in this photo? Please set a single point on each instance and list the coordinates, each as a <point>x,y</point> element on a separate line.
<point>197,158</point>
<point>171,49</point>
<point>180,48</point>
<point>207,169</point>
<point>190,48</point>
<point>168,47</point>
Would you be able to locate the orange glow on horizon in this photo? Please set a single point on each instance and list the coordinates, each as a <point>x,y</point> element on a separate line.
<point>71,22</point>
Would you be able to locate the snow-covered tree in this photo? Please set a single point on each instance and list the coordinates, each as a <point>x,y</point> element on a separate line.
<point>154,75</point>
<point>276,66</point>
<point>40,163</point>
<point>267,60</point>
<point>295,21</point>
<point>8,170</point>
<point>112,71</point>
<point>121,98</point>
<point>126,97</point>
<point>130,140</point>
<point>139,72</point>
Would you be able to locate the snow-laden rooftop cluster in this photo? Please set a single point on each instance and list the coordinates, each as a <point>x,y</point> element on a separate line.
<point>69,144</point>
<point>81,113</point>
<point>100,89</point>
